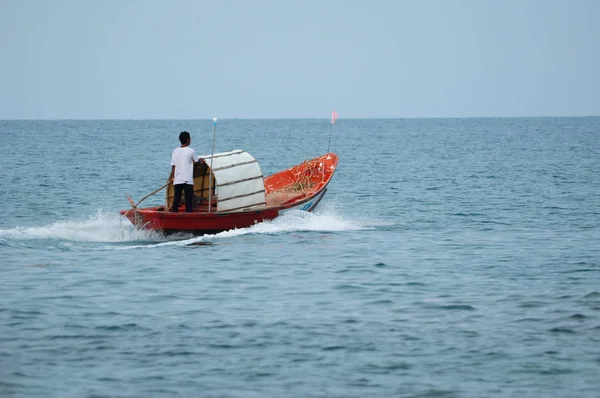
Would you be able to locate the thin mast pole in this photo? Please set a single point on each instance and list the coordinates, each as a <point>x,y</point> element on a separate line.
<point>210,175</point>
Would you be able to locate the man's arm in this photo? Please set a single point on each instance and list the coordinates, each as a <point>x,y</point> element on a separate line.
<point>172,173</point>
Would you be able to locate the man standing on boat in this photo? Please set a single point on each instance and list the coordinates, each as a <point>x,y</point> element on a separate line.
<point>182,172</point>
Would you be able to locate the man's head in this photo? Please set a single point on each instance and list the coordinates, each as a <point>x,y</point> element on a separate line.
<point>184,138</point>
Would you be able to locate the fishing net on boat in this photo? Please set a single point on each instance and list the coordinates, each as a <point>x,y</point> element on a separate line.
<point>305,177</point>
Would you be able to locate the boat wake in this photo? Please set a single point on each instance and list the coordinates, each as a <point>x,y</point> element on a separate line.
<point>105,227</point>
<point>102,227</point>
<point>325,220</point>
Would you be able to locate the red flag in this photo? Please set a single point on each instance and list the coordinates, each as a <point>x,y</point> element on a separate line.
<point>334,116</point>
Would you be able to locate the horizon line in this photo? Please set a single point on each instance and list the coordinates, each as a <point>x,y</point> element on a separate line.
<point>300,118</point>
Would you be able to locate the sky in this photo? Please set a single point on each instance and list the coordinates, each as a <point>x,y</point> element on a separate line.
<point>187,59</point>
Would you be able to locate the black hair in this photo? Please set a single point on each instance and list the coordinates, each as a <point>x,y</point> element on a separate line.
<point>184,137</point>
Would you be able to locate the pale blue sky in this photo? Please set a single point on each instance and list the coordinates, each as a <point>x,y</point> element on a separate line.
<point>297,59</point>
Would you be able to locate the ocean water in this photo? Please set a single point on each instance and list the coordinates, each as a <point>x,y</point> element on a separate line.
<point>449,258</point>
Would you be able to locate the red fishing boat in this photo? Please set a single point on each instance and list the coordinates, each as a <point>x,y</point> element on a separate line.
<point>231,192</point>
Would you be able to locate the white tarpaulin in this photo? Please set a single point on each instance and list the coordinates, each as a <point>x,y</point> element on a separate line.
<point>239,180</point>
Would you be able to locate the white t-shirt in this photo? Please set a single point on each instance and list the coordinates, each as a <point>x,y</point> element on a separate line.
<point>183,159</point>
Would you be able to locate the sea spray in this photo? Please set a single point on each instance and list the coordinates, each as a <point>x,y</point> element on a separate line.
<point>107,227</point>
<point>293,221</point>
<point>100,227</point>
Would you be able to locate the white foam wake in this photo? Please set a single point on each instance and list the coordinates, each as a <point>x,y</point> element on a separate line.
<point>327,220</point>
<point>101,227</point>
<point>106,227</point>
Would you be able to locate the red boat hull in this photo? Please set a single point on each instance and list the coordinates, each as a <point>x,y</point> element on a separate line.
<point>197,223</point>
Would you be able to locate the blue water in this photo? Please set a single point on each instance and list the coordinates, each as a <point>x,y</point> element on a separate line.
<point>449,258</point>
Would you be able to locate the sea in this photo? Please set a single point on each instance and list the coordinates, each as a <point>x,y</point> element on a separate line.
<point>449,258</point>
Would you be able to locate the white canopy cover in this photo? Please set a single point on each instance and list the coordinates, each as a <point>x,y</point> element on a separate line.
<point>238,180</point>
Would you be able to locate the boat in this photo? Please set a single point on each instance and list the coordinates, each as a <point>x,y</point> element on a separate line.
<point>231,192</point>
